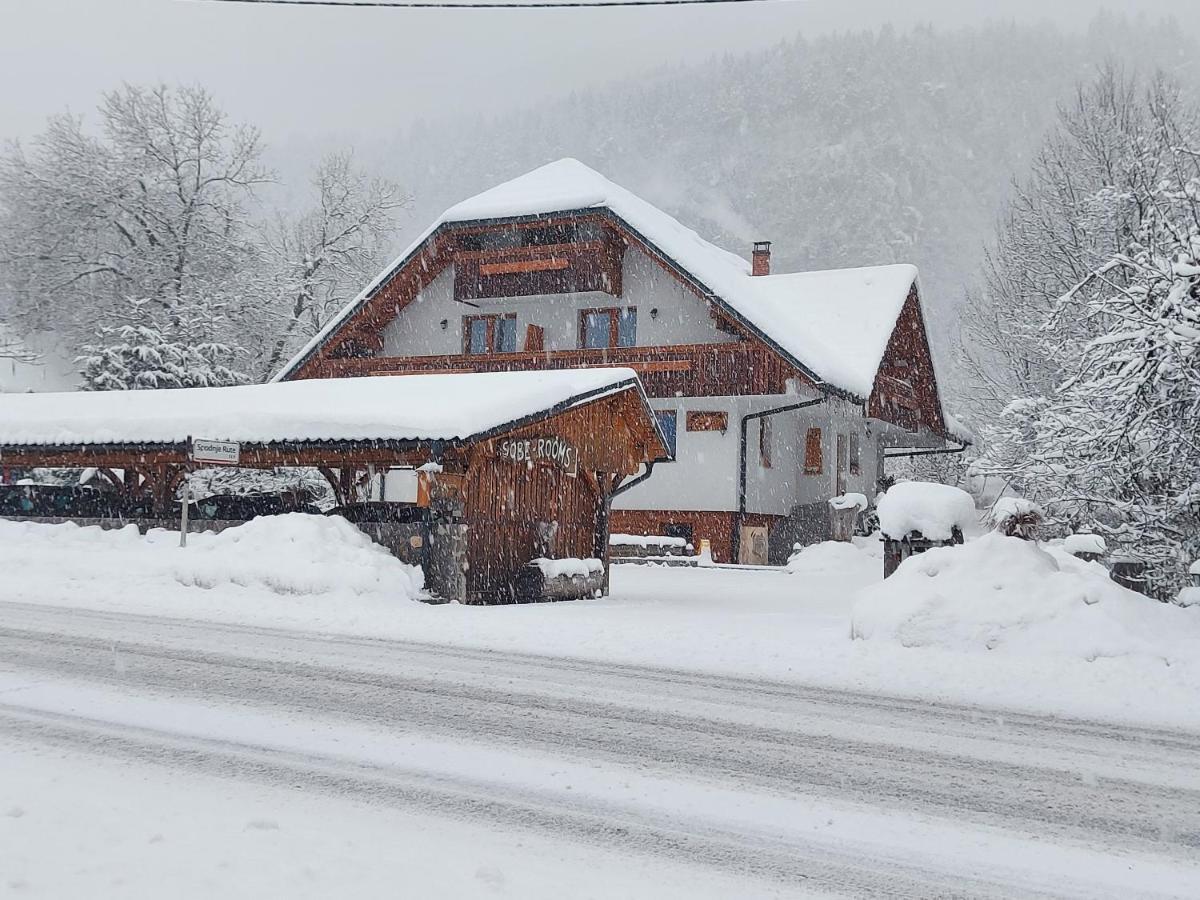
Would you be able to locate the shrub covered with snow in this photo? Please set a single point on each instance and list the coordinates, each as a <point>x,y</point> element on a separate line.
<point>290,555</point>
<point>1076,544</point>
<point>1004,594</point>
<point>934,510</point>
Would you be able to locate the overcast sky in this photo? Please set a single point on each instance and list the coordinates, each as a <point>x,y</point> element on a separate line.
<point>323,74</point>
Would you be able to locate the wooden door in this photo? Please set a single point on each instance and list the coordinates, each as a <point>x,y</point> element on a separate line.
<point>752,548</point>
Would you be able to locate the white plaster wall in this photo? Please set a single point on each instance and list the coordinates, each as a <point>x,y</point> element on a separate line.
<point>704,475</point>
<point>682,317</point>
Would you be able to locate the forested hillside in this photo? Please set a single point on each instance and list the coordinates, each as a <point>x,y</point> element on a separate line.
<point>852,149</point>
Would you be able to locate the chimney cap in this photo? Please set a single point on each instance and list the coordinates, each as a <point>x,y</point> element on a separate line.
<point>762,246</point>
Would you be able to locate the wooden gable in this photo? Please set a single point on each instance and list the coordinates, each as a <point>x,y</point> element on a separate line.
<point>906,391</point>
<point>549,254</point>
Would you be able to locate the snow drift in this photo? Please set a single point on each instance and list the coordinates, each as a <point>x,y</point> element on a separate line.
<point>293,555</point>
<point>1012,596</point>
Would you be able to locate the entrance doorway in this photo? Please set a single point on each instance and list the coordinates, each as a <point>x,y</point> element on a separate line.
<point>752,548</point>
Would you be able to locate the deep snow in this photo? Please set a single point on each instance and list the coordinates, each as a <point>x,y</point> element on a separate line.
<point>1122,659</point>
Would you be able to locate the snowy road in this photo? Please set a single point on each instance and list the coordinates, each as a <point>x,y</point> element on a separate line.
<point>788,790</point>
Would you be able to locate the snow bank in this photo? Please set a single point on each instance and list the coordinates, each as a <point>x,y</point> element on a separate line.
<point>292,555</point>
<point>934,510</point>
<point>835,558</point>
<point>1008,595</point>
<point>557,568</point>
<point>1189,596</point>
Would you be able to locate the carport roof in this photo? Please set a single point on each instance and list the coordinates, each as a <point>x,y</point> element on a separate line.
<point>458,407</point>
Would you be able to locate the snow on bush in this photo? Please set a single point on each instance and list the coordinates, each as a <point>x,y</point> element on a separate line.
<point>1009,595</point>
<point>292,554</point>
<point>1085,543</point>
<point>1189,596</point>
<point>934,510</point>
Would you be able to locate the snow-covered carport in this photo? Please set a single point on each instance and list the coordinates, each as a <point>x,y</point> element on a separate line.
<point>527,461</point>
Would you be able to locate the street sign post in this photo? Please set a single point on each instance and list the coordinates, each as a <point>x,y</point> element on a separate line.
<point>211,453</point>
<point>215,453</point>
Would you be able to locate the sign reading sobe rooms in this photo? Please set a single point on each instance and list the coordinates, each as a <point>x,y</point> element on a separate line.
<point>552,451</point>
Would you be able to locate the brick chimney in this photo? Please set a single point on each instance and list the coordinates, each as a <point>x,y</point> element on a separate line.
<point>760,261</point>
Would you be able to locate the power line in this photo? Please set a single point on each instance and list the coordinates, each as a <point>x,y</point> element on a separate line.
<point>471,4</point>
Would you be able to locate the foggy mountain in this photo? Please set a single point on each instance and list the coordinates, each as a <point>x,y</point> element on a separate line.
<point>849,149</point>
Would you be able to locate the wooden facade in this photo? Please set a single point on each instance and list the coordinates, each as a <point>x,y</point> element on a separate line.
<point>906,392</point>
<point>694,370</point>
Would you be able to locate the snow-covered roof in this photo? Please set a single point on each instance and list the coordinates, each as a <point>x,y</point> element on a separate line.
<point>410,407</point>
<point>836,324</point>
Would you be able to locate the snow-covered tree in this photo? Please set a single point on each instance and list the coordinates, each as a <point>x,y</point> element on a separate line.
<point>176,354</point>
<point>1112,443</point>
<point>153,207</point>
<point>326,256</point>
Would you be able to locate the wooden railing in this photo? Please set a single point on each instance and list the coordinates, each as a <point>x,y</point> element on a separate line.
<point>691,370</point>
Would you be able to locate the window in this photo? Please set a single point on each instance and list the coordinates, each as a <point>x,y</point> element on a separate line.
<point>506,335</point>
<point>602,328</point>
<point>477,335</point>
<point>855,455</point>
<point>698,420</point>
<point>490,334</point>
<point>627,327</point>
<point>813,464</point>
<point>764,443</point>
<point>668,421</point>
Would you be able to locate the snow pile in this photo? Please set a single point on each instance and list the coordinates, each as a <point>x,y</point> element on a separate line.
<point>292,555</point>
<point>835,558</point>
<point>849,501</point>
<point>1012,596</point>
<point>571,568</point>
<point>934,510</point>
<point>1085,543</point>
<point>1189,596</point>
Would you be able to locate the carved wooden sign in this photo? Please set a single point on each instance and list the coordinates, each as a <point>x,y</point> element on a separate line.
<point>553,451</point>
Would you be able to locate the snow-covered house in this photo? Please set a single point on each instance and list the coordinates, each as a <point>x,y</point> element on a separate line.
<point>778,391</point>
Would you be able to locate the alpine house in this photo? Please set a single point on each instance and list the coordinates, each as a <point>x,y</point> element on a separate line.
<point>776,392</point>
